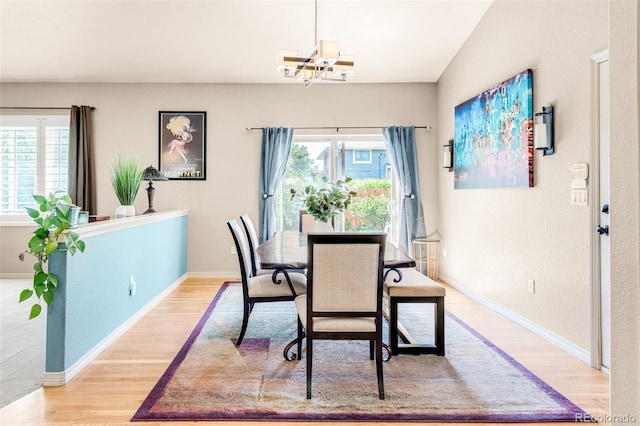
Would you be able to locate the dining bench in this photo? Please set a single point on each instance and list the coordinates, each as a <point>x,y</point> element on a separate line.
<point>407,285</point>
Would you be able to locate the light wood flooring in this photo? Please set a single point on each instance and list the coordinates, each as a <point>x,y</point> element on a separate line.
<point>111,388</point>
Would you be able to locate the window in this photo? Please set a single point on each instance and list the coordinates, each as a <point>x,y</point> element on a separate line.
<point>318,160</point>
<point>35,158</point>
<point>361,156</point>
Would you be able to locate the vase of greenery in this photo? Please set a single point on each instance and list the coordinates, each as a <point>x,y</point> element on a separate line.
<point>52,219</point>
<point>126,175</point>
<point>325,203</point>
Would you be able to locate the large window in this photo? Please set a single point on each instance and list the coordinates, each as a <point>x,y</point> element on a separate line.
<point>318,160</point>
<point>35,157</point>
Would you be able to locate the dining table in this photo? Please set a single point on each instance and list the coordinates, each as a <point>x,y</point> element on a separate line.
<point>287,251</point>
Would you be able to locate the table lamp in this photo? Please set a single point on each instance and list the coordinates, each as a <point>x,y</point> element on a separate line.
<point>151,174</point>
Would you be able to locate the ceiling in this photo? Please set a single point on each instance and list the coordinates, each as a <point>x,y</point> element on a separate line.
<point>233,41</point>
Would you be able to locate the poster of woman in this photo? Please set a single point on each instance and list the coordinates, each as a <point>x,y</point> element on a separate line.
<point>183,145</point>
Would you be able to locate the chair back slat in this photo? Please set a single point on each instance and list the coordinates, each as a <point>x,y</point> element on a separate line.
<point>242,247</point>
<point>252,237</point>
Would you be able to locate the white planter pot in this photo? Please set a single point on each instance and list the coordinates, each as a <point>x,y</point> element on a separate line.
<point>125,211</point>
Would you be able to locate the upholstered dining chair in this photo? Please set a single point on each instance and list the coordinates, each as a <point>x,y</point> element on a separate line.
<point>344,294</point>
<point>261,288</point>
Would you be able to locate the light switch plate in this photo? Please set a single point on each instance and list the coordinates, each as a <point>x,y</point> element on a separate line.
<point>579,197</point>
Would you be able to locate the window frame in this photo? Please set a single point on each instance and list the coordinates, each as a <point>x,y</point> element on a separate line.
<point>41,122</point>
<point>353,153</point>
<point>338,150</point>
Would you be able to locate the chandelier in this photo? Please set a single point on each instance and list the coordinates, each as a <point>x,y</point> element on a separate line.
<point>325,63</point>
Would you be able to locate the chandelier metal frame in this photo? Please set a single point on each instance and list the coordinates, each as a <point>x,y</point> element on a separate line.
<point>324,64</point>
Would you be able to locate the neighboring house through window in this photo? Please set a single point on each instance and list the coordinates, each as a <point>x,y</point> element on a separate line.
<point>316,160</point>
<point>35,158</point>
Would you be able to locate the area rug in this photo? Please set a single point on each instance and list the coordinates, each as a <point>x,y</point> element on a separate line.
<point>212,379</point>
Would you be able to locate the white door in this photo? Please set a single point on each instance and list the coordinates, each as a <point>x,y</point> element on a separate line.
<point>603,228</point>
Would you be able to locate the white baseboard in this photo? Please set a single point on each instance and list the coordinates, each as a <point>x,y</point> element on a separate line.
<point>554,339</point>
<point>15,275</point>
<point>63,377</point>
<point>232,275</point>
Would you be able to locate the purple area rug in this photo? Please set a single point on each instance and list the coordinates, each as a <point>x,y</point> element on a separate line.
<point>212,379</point>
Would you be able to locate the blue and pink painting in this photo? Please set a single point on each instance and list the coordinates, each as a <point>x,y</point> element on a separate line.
<point>493,142</point>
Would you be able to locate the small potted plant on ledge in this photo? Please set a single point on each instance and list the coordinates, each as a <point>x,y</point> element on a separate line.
<point>325,203</point>
<point>51,218</point>
<point>126,176</point>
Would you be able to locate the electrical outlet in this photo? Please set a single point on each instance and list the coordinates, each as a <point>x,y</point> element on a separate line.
<point>132,286</point>
<point>232,250</point>
<point>532,285</point>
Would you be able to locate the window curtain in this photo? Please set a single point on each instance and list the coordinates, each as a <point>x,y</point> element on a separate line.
<point>276,143</point>
<point>82,185</point>
<point>401,145</point>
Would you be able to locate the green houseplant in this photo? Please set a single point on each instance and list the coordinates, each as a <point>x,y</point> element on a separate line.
<point>51,218</point>
<point>126,175</point>
<point>324,203</point>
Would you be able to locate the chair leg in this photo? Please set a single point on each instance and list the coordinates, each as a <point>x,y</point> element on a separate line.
<point>309,364</point>
<point>393,324</point>
<point>371,349</point>
<point>245,321</point>
<point>379,368</point>
<point>300,337</point>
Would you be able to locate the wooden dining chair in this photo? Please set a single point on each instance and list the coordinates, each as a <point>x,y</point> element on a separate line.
<point>344,294</point>
<point>261,288</point>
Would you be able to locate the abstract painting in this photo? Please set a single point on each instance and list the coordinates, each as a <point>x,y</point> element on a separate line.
<point>493,143</point>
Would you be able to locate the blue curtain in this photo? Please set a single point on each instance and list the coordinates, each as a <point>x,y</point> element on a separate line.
<point>401,145</point>
<point>276,143</point>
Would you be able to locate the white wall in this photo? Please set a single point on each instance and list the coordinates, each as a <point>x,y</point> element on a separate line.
<point>497,239</point>
<point>624,55</point>
<point>126,120</point>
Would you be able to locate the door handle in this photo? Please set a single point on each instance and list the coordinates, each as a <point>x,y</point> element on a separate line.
<point>603,230</point>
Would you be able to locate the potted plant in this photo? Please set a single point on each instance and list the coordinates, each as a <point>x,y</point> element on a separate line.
<point>126,175</point>
<point>51,218</point>
<point>324,203</point>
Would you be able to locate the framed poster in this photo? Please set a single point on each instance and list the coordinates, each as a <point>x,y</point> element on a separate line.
<point>183,142</point>
<point>493,143</point>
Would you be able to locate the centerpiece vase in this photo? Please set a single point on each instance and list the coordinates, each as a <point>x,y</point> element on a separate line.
<point>320,226</point>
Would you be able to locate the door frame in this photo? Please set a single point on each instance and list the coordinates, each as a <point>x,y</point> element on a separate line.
<point>596,299</point>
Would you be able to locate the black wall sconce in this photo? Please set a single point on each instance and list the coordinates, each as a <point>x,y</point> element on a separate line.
<point>543,130</point>
<point>447,156</point>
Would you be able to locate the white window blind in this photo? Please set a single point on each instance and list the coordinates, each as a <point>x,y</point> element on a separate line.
<point>35,159</point>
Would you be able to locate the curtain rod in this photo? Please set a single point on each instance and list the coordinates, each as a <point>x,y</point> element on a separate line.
<point>337,128</point>
<point>92,108</point>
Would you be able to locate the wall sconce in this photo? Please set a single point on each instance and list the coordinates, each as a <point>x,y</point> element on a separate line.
<point>447,156</point>
<point>543,130</point>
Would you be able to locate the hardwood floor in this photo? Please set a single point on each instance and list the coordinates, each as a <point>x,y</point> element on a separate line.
<point>111,389</point>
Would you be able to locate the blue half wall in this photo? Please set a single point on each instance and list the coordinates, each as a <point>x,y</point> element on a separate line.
<point>93,298</point>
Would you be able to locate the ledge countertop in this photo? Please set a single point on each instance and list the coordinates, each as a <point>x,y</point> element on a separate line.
<point>105,226</point>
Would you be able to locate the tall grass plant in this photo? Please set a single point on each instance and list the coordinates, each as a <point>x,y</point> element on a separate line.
<point>126,175</point>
